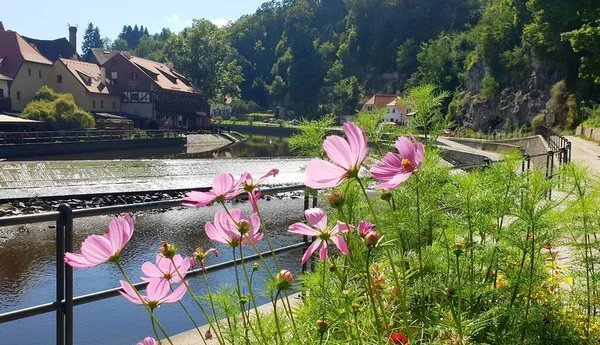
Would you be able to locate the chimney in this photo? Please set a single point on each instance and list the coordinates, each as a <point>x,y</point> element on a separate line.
<point>1,26</point>
<point>103,75</point>
<point>73,36</point>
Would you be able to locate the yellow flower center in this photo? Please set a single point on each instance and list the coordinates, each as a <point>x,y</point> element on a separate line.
<point>407,165</point>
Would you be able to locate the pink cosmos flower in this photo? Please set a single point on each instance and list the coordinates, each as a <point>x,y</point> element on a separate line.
<point>224,188</point>
<point>165,270</point>
<point>253,188</point>
<point>97,249</point>
<point>157,293</point>
<point>318,219</point>
<point>148,341</point>
<point>234,230</point>
<point>346,154</point>
<point>364,228</point>
<point>396,168</point>
<point>201,255</point>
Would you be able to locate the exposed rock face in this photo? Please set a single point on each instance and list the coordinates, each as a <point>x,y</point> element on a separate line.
<point>517,104</point>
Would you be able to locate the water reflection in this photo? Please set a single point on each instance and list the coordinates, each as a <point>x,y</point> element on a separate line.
<point>27,272</point>
<point>253,146</point>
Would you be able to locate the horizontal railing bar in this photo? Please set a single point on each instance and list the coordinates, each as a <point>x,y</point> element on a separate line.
<point>98,211</point>
<point>101,295</point>
<point>28,312</point>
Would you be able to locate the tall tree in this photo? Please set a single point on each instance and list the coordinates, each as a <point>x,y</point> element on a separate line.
<point>91,39</point>
<point>204,53</point>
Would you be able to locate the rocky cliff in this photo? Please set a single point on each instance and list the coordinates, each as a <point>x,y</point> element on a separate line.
<point>524,98</point>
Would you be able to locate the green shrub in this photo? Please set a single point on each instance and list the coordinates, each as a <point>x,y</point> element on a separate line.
<point>58,110</point>
<point>538,121</point>
<point>490,87</point>
<point>250,120</point>
<point>233,119</point>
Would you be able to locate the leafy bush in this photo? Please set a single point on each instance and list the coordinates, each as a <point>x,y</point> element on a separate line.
<point>218,119</point>
<point>539,120</point>
<point>233,119</point>
<point>250,120</point>
<point>58,110</point>
<point>490,87</point>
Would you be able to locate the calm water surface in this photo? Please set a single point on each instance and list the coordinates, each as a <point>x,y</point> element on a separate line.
<point>27,273</point>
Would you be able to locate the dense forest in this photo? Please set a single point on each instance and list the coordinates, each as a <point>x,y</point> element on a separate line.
<point>504,61</point>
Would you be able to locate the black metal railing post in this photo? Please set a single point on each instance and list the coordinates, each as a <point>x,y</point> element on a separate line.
<point>68,214</point>
<point>60,276</point>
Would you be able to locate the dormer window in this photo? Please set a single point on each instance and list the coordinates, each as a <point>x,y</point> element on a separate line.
<point>85,77</point>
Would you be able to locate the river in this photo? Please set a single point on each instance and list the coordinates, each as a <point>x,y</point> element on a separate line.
<point>27,267</point>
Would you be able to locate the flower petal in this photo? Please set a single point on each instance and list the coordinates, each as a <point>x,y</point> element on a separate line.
<point>341,244</point>
<point>223,184</point>
<point>323,252</point>
<point>316,217</point>
<point>176,295</point>
<point>395,182</point>
<point>338,150</point>
<point>406,148</point>
<point>303,229</point>
<point>198,199</point>
<point>358,143</point>
<point>129,293</point>
<point>310,250</point>
<point>322,174</point>
<point>79,261</point>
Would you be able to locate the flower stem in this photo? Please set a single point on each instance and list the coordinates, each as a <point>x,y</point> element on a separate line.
<point>191,318</point>
<point>144,303</point>
<point>402,267</point>
<point>277,318</point>
<point>187,286</point>
<point>419,249</point>
<point>252,295</point>
<point>154,329</point>
<point>371,298</point>
<point>239,291</point>
<point>212,304</point>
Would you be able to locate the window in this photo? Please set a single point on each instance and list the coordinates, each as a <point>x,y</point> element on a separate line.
<point>40,73</point>
<point>1,93</point>
<point>394,110</point>
<point>134,96</point>
<point>133,76</point>
<point>102,104</point>
<point>93,104</point>
<point>59,79</point>
<point>114,105</point>
<point>29,72</point>
<point>18,95</point>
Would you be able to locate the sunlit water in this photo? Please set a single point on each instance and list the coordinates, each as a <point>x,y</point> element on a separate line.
<point>27,273</point>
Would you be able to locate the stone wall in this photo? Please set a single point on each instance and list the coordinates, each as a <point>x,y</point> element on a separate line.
<point>588,132</point>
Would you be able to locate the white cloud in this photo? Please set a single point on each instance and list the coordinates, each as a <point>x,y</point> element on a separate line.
<point>220,22</point>
<point>176,23</point>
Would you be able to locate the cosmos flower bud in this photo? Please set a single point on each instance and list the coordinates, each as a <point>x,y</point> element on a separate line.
<point>243,226</point>
<point>255,266</point>
<point>284,280</point>
<point>322,326</point>
<point>371,239</point>
<point>167,250</point>
<point>385,194</point>
<point>336,200</point>
<point>459,248</point>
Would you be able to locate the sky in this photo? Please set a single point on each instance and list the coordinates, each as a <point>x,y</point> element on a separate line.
<point>49,19</point>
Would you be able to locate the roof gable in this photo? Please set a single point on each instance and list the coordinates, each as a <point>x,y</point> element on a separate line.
<point>87,74</point>
<point>382,100</point>
<point>15,50</point>
<point>53,49</point>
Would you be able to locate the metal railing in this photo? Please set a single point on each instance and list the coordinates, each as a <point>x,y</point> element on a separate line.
<point>65,301</point>
<point>7,138</point>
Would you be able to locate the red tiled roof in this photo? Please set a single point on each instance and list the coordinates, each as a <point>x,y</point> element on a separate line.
<point>15,50</point>
<point>87,74</point>
<point>164,76</point>
<point>382,100</point>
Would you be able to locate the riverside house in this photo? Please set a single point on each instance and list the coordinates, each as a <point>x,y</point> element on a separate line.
<point>153,90</point>
<point>23,66</point>
<point>394,110</point>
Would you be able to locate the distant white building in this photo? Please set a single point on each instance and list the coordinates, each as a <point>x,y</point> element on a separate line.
<point>222,109</point>
<point>394,110</point>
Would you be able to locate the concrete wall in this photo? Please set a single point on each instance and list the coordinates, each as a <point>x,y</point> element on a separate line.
<point>28,81</point>
<point>87,100</point>
<point>588,132</point>
<point>533,146</point>
<point>35,150</point>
